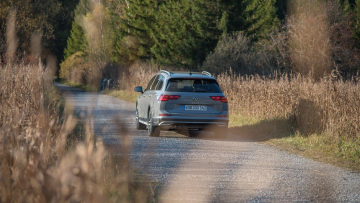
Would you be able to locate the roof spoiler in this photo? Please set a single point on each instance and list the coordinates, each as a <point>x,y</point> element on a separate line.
<point>166,72</point>
<point>206,73</point>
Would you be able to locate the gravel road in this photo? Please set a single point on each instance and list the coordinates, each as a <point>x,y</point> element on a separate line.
<point>204,169</point>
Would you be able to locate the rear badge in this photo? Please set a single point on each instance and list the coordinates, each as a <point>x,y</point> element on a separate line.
<point>195,99</point>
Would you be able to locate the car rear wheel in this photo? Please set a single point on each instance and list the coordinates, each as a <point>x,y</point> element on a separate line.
<point>221,132</point>
<point>139,126</point>
<point>152,131</point>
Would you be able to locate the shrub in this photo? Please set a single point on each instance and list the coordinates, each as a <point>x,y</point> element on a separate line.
<point>238,52</point>
<point>73,68</point>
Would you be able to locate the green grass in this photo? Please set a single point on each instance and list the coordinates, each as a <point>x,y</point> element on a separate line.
<point>129,96</point>
<point>282,134</point>
<point>343,152</point>
<point>236,120</point>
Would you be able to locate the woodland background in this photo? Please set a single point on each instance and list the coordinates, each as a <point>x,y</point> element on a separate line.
<point>94,39</point>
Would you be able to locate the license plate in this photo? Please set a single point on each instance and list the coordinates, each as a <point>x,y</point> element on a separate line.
<point>195,108</point>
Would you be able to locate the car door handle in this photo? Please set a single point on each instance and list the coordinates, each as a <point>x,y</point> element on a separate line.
<point>150,95</point>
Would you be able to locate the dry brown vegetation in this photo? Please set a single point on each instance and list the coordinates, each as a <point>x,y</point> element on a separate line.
<point>309,38</point>
<point>328,105</point>
<point>43,157</point>
<point>39,158</point>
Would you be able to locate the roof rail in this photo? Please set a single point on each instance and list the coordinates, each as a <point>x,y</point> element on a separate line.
<point>206,73</point>
<point>165,71</point>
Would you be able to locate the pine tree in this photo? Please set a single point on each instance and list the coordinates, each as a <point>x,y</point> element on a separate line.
<point>260,17</point>
<point>223,24</point>
<point>117,13</point>
<point>135,26</point>
<point>185,31</point>
<point>234,9</point>
<point>77,40</point>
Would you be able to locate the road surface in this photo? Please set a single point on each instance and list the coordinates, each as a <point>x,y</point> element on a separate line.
<point>204,169</point>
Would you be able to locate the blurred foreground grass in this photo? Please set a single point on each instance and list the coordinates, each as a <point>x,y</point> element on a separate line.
<point>47,154</point>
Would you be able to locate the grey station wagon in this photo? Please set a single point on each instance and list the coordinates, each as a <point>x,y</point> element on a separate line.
<point>182,101</point>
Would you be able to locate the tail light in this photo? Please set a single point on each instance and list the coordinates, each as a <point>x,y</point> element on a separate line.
<point>168,97</point>
<point>219,98</point>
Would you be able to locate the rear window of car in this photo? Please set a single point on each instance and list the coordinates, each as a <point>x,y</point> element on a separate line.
<point>193,85</point>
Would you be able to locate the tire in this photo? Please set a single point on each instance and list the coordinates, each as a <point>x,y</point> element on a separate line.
<point>152,130</point>
<point>221,132</point>
<point>138,125</point>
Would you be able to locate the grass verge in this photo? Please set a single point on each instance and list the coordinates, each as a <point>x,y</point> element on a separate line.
<point>340,152</point>
<point>125,95</point>
<point>282,134</point>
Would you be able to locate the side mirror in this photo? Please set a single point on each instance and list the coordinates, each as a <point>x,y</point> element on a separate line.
<point>138,89</point>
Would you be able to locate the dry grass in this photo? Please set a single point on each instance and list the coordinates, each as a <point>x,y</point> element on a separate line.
<point>45,155</point>
<point>37,162</point>
<point>326,106</point>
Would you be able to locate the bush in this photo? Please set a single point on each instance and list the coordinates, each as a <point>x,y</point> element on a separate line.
<point>73,69</point>
<point>238,52</point>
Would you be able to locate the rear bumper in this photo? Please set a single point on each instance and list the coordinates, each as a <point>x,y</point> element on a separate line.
<point>198,123</point>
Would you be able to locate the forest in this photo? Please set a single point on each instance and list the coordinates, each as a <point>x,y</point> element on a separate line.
<point>95,39</point>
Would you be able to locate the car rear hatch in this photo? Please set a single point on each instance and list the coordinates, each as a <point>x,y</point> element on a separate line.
<point>194,97</point>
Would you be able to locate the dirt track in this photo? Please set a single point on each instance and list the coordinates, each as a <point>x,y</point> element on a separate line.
<point>204,169</point>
